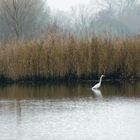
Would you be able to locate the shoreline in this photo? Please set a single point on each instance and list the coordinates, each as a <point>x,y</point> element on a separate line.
<point>26,81</point>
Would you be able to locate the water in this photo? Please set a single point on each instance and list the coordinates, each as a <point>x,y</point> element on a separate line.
<point>70,112</point>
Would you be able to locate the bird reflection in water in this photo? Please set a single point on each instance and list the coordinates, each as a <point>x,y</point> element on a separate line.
<point>97,93</point>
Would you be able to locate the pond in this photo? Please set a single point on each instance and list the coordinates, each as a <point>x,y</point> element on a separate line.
<point>70,112</point>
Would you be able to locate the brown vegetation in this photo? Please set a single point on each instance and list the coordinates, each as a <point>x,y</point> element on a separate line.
<point>59,57</point>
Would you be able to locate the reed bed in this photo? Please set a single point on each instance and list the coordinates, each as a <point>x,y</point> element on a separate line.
<point>70,58</point>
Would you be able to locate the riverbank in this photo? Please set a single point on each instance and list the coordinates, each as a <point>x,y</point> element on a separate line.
<point>43,81</point>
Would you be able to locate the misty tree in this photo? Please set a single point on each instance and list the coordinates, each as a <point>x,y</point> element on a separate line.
<point>21,18</point>
<point>119,17</point>
<point>59,21</point>
<point>120,7</point>
<point>81,17</point>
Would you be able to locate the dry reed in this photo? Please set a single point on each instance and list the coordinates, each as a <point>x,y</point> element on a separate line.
<point>67,57</point>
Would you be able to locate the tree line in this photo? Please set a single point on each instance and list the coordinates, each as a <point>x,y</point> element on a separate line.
<point>26,19</point>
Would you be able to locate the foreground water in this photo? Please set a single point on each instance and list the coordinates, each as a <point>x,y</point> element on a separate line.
<point>70,112</point>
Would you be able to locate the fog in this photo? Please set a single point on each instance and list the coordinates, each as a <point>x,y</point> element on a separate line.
<point>65,5</point>
<point>28,19</point>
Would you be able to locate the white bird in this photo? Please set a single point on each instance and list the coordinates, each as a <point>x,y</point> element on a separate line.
<point>98,84</point>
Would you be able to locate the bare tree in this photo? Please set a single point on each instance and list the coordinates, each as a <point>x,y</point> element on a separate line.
<point>59,20</point>
<point>120,17</point>
<point>81,17</point>
<point>21,16</point>
<point>119,6</point>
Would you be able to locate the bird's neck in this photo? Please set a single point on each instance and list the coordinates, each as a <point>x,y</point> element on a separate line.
<point>100,79</point>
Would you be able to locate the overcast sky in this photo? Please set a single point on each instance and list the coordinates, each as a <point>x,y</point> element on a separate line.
<point>65,4</point>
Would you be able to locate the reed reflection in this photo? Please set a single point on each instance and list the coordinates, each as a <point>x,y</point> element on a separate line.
<point>68,92</point>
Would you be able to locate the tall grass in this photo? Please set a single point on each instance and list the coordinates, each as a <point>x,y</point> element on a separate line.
<point>67,57</point>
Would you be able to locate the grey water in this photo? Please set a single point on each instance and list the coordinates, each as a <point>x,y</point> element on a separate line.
<point>70,112</point>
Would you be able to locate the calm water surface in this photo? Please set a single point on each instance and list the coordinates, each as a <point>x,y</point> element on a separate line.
<point>70,112</point>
